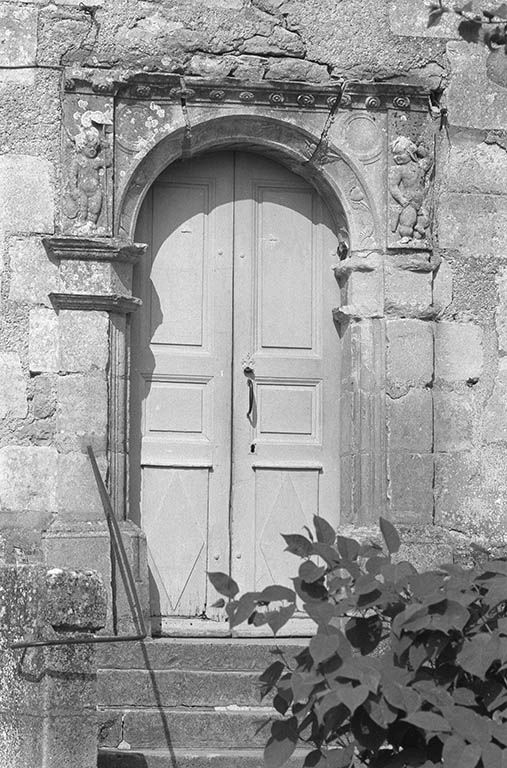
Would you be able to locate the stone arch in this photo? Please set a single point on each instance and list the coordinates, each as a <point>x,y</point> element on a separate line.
<point>336,177</point>
<point>298,147</point>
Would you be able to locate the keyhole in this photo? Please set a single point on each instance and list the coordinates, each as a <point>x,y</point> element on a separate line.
<point>252,448</point>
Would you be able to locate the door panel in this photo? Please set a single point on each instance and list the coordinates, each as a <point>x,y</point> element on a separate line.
<point>182,376</point>
<point>285,455</point>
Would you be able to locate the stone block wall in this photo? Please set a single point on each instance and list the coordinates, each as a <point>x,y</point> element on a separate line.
<point>445,321</point>
<point>48,694</point>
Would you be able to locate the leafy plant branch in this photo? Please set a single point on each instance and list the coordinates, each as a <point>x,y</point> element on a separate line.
<point>404,668</point>
<point>486,25</point>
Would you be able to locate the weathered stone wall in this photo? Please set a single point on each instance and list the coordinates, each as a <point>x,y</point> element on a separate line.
<point>446,422</point>
<point>48,694</point>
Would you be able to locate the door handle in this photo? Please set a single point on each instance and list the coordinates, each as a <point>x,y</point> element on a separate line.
<point>251,399</point>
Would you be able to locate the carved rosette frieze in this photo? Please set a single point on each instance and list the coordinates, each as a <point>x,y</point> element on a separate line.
<point>411,161</point>
<point>127,115</point>
<point>87,154</point>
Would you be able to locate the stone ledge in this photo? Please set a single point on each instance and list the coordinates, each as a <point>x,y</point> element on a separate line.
<point>94,249</point>
<point>93,302</point>
<point>427,546</point>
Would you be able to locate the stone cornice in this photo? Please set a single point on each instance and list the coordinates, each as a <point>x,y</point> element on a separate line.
<point>161,86</point>
<point>122,305</point>
<point>93,249</point>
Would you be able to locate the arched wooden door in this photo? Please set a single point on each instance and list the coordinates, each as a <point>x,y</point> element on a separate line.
<point>235,377</point>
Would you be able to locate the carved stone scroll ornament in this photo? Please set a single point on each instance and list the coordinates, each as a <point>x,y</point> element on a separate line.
<point>87,183</point>
<point>408,188</point>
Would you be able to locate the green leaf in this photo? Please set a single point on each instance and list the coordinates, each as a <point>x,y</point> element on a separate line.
<point>424,584</point>
<point>326,534</point>
<point>478,654</point>
<point>271,674</point>
<point>309,591</point>
<point>435,14</point>
<point>339,758</point>
<point>322,647</point>
<point>277,619</point>
<point>367,733</point>
<point>303,684</point>
<point>244,608</point>
<point>428,721</point>
<point>500,732</point>
<point>493,757</point>
<point>469,30</point>
<point>219,603</point>
<point>223,584</point>
<point>281,744</point>
<point>310,572</point>
<point>321,612</point>
<point>458,754</point>
<point>364,633</point>
<point>402,697</point>
<point>390,535</point>
<point>375,564</point>
<point>468,724</point>
<point>348,548</point>
<point>327,553</point>
<point>380,711</point>
<point>445,616</point>
<point>277,592</point>
<point>297,544</point>
<point>330,709</point>
<point>363,669</point>
<point>352,696</point>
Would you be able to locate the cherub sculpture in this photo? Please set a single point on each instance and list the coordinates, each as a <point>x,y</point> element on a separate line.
<point>88,169</point>
<point>407,185</point>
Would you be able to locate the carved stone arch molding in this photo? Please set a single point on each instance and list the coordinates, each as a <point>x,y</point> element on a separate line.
<point>350,143</point>
<point>294,145</point>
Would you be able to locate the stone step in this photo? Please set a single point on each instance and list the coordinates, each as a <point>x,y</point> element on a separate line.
<point>202,653</point>
<point>136,688</point>
<point>229,727</point>
<point>175,758</point>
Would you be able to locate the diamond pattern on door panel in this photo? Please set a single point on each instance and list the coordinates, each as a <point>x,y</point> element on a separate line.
<point>175,522</point>
<point>285,502</point>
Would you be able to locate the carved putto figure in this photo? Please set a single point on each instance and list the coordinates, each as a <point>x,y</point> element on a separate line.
<point>407,185</point>
<point>87,173</point>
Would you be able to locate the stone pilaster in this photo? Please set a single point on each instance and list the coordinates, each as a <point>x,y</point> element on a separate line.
<point>90,311</point>
<point>362,327</point>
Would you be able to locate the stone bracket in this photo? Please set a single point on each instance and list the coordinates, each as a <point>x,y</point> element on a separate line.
<point>93,249</point>
<point>122,305</point>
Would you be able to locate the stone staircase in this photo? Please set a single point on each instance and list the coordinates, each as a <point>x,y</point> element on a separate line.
<point>185,703</point>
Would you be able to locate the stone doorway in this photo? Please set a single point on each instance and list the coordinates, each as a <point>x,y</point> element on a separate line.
<point>235,360</point>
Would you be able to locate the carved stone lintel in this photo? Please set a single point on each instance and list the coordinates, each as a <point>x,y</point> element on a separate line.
<point>122,305</point>
<point>167,86</point>
<point>94,249</point>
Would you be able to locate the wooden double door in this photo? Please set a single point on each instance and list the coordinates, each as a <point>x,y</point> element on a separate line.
<point>235,385</point>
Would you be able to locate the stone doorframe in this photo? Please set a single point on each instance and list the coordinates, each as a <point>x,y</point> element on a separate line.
<point>123,132</point>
